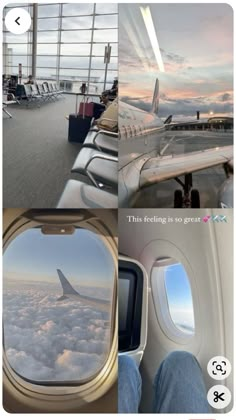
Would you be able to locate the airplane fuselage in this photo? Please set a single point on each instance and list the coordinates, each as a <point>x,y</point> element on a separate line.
<point>141,137</point>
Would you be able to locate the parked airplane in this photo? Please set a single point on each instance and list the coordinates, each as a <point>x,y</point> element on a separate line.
<point>70,293</point>
<point>176,293</point>
<point>142,161</point>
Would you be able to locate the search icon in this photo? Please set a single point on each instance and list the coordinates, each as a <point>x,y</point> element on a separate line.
<point>219,368</point>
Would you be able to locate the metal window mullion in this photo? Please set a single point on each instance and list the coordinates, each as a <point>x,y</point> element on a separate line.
<point>59,43</point>
<point>91,45</point>
<point>34,40</point>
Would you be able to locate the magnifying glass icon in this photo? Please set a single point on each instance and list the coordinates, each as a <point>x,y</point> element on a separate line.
<point>219,367</point>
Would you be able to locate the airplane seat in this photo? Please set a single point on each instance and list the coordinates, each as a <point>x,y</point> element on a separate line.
<point>102,166</point>
<point>79,195</point>
<point>133,309</point>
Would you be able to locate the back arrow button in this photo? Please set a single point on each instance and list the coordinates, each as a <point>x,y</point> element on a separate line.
<point>17,20</point>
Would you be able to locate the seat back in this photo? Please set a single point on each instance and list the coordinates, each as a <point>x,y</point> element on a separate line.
<point>40,88</point>
<point>34,89</point>
<point>45,87</point>
<point>28,90</point>
<point>51,89</point>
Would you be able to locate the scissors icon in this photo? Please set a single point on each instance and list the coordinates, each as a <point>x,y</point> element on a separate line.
<point>218,396</point>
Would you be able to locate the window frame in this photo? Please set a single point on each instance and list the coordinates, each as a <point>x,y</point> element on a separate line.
<point>76,391</point>
<point>137,353</point>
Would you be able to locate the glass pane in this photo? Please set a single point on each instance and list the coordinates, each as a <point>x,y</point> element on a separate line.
<point>73,36</point>
<point>97,75</point>
<point>12,5</point>
<point>77,22</point>
<point>57,305</point>
<point>24,60</point>
<point>75,49</point>
<point>98,63</point>
<point>77,9</point>
<point>106,21</point>
<point>15,39</point>
<point>106,8</point>
<point>46,74</point>
<point>47,37</point>
<point>75,62</point>
<point>47,49</point>
<point>48,10</point>
<point>48,61</point>
<point>46,24</point>
<point>179,297</point>
<point>14,49</point>
<point>106,35</point>
<point>75,74</point>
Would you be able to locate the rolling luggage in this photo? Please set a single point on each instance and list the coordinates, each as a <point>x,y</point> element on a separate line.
<point>91,109</point>
<point>78,128</point>
<point>86,109</point>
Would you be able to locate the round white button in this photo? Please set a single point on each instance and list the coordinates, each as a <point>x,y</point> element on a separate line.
<point>219,368</point>
<point>18,21</point>
<point>219,396</point>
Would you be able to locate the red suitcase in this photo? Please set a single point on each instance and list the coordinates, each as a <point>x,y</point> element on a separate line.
<point>86,109</point>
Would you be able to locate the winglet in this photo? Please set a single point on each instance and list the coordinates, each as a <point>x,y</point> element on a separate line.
<point>155,100</point>
<point>66,286</point>
<point>168,120</point>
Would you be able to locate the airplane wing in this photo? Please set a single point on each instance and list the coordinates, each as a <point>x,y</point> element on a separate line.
<point>70,292</point>
<point>162,168</point>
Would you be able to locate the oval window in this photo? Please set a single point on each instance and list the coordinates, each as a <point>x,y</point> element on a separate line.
<point>57,305</point>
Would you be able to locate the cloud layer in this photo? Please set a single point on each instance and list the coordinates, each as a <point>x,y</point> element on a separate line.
<point>47,340</point>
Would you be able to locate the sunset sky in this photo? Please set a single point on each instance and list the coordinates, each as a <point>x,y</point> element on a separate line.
<point>82,257</point>
<point>196,44</point>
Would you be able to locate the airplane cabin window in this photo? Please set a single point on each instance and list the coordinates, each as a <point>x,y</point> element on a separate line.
<point>178,293</point>
<point>57,305</point>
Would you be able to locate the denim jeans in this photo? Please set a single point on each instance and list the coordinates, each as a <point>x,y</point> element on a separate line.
<point>178,386</point>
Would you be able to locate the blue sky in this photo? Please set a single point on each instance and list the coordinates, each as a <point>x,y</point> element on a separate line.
<point>179,294</point>
<point>82,257</point>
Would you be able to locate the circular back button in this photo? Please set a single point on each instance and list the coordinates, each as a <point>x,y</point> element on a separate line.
<point>18,21</point>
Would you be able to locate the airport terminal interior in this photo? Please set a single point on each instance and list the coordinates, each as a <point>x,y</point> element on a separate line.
<point>70,50</point>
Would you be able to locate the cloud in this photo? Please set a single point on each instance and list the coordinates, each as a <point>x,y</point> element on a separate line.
<point>176,58</point>
<point>187,107</point>
<point>225,97</point>
<point>50,340</point>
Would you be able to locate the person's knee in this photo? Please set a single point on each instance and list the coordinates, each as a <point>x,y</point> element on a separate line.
<point>126,363</point>
<point>181,360</point>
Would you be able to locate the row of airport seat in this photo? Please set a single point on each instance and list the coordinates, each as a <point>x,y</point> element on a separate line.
<point>41,92</point>
<point>8,99</point>
<point>98,161</point>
